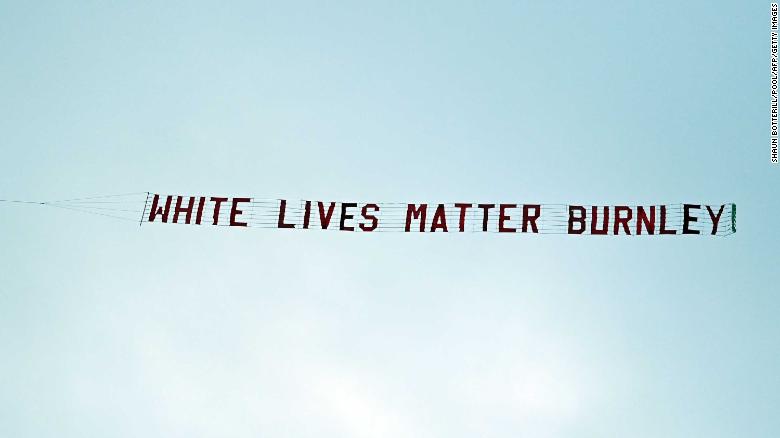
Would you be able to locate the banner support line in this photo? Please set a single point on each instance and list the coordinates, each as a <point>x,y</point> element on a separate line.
<point>143,214</point>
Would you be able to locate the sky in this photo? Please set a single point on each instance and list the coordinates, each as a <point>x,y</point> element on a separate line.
<point>113,330</point>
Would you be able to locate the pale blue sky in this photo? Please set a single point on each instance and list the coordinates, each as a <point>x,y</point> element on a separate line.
<point>114,331</point>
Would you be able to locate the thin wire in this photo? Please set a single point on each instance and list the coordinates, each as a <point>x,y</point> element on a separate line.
<point>99,197</point>
<point>79,206</point>
<point>90,212</point>
<point>22,202</point>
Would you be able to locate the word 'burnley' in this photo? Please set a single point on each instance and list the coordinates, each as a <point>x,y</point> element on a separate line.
<point>444,217</point>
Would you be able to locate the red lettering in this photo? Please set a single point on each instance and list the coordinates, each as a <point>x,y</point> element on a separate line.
<point>234,212</point>
<point>412,210</point>
<point>439,220</point>
<point>462,220</point>
<point>217,202</point>
<point>179,209</point>
<point>345,216</point>
<point>663,229</point>
<point>715,218</point>
<point>622,220</point>
<point>325,218</point>
<point>485,211</point>
<point>529,218</point>
<point>503,217</point>
<point>580,220</point>
<point>282,207</point>
<point>642,219</point>
<point>199,216</point>
<point>156,210</point>
<point>306,215</point>
<point>595,219</point>
<point>372,218</point>
<point>688,219</point>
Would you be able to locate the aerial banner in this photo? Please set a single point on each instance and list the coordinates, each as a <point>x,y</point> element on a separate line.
<point>442,217</point>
